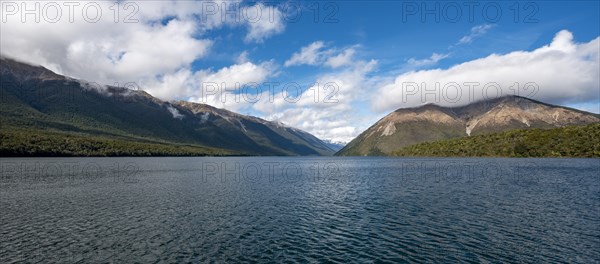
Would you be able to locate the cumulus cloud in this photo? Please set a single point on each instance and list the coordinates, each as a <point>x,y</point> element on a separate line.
<point>342,59</point>
<point>329,109</point>
<point>233,75</point>
<point>227,82</point>
<point>104,51</point>
<point>162,41</point>
<point>209,86</point>
<point>310,55</point>
<point>173,85</point>
<point>263,21</point>
<point>561,72</point>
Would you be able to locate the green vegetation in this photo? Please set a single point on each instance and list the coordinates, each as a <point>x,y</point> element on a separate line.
<point>20,142</point>
<point>571,141</point>
<point>117,121</point>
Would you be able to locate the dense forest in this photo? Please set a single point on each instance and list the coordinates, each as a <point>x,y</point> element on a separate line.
<point>570,141</point>
<point>18,142</point>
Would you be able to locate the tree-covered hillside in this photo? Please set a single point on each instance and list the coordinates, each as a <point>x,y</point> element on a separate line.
<point>570,141</point>
<point>17,142</point>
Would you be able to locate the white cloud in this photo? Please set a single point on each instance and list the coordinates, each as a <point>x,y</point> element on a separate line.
<point>263,21</point>
<point>339,119</point>
<point>316,54</point>
<point>146,52</point>
<point>208,86</point>
<point>229,81</point>
<point>243,57</point>
<point>432,60</point>
<point>241,74</point>
<point>106,51</point>
<point>564,72</point>
<point>476,32</point>
<point>310,55</point>
<point>174,85</point>
<point>174,112</point>
<point>161,46</point>
<point>342,59</point>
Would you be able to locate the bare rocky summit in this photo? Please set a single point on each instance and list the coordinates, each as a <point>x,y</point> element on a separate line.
<point>408,126</point>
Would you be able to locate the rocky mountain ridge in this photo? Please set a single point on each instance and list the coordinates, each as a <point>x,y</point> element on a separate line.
<point>409,126</point>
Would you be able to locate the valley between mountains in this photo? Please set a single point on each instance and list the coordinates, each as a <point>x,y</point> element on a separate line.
<point>46,114</point>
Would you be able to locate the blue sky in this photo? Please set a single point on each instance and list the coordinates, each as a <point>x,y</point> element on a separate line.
<point>379,31</point>
<point>367,48</point>
<point>379,28</point>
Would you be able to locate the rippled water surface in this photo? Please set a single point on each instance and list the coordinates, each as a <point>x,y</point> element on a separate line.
<point>299,209</point>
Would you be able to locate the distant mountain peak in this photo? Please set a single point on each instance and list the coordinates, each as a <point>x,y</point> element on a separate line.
<point>24,71</point>
<point>431,122</point>
<point>66,105</point>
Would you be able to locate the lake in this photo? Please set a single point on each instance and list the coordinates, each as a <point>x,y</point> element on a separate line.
<point>299,209</point>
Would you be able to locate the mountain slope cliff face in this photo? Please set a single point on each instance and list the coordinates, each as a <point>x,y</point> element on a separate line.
<point>409,126</point>
<point>33,98</point>
<point>276,136</point>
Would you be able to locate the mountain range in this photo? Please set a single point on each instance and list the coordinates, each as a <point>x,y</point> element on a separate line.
<point>409,126</point>
<point>35,100</point>
<point>46,114</point>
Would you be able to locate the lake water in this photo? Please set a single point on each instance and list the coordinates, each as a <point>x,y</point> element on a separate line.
<point>299,209</point>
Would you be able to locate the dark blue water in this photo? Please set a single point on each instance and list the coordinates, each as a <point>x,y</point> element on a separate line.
<point>299,210</point>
